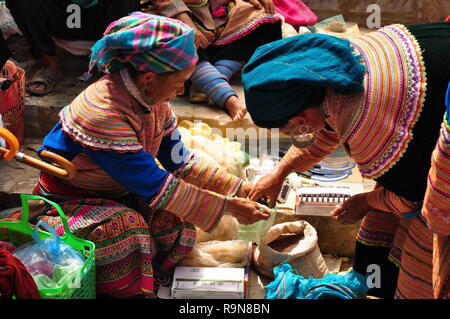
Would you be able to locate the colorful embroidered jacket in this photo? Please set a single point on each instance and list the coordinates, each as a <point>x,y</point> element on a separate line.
<point>374,127</point>
<point>114,141</point>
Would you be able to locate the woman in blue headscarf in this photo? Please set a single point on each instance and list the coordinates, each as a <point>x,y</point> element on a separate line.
<point>381,98</point>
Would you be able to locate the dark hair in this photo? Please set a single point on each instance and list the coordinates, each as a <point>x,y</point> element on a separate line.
<point>134,73</point>
<point>315,99</point>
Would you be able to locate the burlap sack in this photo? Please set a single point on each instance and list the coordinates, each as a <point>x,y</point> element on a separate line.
<point>305,257</point>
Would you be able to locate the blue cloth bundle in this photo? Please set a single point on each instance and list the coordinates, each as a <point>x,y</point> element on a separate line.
<point>288,285</point>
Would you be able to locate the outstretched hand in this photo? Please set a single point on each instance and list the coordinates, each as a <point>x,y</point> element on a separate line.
<point>267,188</point>
<point>247,212</point>
<point>202,38</point>
<point>245,190</point>
<point>352,210</point>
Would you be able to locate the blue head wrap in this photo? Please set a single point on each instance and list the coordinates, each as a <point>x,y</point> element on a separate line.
<point>280,75</point>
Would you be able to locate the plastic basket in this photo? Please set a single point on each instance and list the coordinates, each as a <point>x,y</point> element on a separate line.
<point>19,233</point>
<point>12,100</point>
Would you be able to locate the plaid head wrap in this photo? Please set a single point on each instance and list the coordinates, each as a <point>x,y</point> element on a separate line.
<point>150,43</point>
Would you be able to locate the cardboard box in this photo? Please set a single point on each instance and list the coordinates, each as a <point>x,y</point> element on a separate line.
<point>208,283</point>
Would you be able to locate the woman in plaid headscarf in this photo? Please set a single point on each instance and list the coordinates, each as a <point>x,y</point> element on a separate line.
<point>141,217</point>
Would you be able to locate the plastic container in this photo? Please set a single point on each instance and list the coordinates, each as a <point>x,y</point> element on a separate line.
<point>12,96</point>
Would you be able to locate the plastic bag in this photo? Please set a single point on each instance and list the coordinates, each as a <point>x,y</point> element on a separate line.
<point>256,231</point>
<point>7,24</point>
<point>50,261</point>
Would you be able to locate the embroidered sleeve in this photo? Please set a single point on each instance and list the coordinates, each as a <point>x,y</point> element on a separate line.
<point>200,207</point>
<point>304,159</point>
<point>203,174</point>
<point>139,173</point>
<point>176,158</point>
<point>436,208</point>
<point>385,200</point>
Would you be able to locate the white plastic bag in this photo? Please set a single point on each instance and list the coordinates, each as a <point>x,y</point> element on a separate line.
<point>7,24</point>
<point>51,262</point>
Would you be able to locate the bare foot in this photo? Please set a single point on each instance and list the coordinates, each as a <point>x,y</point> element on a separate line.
<point>236,108</point>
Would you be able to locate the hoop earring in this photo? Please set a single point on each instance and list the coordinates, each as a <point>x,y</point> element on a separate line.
<point>303,136</point>
<point>144,95</point>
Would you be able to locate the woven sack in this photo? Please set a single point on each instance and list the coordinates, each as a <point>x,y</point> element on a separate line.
<point>305,257</point>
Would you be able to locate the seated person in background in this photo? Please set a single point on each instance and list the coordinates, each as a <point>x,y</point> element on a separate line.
<point>5,53</point>
<point>39,20</point>
<point>226,33</point>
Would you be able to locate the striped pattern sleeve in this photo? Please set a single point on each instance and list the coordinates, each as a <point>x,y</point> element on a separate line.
<point>304,159</point>
<point>161,190</point>
<point>386,201</point>
<point>200,207</point>
<point>201,173</point>
<point>436,208</point>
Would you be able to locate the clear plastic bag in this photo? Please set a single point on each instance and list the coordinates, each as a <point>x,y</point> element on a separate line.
<point>50,261</point>
<point>255,232</point>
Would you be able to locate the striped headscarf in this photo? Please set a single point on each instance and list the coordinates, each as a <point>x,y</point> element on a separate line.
<point>150,43</point>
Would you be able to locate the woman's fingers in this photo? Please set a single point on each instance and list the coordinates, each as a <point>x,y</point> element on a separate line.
<point>268,6</point>
<point>200,40</point>
<point>255,3</point>
<point>264,212</point>
<point>256,193</point>
<point>338,214</point>
<point>337,211</point>
<point>271,201</point>
<point>346,216</point>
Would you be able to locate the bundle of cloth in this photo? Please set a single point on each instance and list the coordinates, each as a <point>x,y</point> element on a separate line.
<point>288,285</point>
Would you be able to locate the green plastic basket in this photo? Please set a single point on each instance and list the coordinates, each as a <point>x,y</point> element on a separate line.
<point>19,233</point>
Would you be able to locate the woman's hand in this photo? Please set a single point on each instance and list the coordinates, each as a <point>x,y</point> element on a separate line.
<point>267,188</point>
<point>202,37</point>
<point>201,40</point>
<point>245,189</point>
<point>246,211</point>
<point>209,35</point>
<point>352,210</point>
<point>268,5</point>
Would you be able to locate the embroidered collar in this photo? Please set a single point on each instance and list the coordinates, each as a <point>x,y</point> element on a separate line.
<point>132,89</point>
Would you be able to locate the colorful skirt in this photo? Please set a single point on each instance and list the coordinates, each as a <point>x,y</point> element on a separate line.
<point>436,210</point>
<point>136,250</point>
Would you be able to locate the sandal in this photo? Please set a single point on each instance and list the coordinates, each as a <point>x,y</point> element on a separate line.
<point>196,96</point>
<point>42,76</point>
